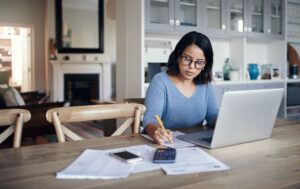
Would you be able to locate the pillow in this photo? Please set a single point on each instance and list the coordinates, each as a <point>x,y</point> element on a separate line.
<point>9,96</point>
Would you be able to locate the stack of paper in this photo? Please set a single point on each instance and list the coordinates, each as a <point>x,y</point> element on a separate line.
<point>97,164</point>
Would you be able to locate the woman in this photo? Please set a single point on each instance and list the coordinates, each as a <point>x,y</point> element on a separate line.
<point>183,96</point>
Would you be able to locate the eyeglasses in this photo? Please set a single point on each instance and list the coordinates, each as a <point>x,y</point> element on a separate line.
<point>186,61</point>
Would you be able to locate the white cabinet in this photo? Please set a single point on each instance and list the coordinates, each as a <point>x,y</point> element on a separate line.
<point>172,15</point>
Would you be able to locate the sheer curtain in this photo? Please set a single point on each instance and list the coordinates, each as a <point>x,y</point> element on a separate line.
<point>21,59</point>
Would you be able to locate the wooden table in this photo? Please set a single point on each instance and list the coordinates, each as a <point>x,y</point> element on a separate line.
<point>270,163</point>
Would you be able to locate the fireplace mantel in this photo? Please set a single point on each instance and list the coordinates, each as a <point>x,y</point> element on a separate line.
<point>101,67</point>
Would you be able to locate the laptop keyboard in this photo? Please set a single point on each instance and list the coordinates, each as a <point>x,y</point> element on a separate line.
<point>207,139</point>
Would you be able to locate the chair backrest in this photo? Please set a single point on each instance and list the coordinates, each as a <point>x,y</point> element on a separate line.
<point>95,112</point>
<point>134,100</point>
<point>15,119</point>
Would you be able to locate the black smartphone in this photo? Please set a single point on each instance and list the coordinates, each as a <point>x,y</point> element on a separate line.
<point>126,156</point>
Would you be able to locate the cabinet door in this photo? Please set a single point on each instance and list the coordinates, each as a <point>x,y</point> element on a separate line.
<point>275,19</point>
<point>221,89</point>
<point>236,17</point>
<point>273,85</point>
<point>256,18</point>
<point>159,15</point>
<point>214,17</point>
<point>187,15</point>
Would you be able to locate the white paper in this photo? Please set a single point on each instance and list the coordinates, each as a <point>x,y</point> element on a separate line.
<point>193,160</point>
<point>144,151</point>
<point>177,142</point>
<point>95,164</point>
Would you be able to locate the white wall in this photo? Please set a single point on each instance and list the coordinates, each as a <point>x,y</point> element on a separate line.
<point>29,12</point>
<point>130,48</point>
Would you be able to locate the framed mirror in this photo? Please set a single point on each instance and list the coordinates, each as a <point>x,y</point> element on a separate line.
<point>79,26</point>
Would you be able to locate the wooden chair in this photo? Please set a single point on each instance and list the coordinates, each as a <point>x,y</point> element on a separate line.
<point>15,119</point>
<point>95,112</point>
<point>134,100</point>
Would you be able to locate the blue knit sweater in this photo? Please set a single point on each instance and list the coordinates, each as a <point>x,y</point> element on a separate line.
<point>176,110</point>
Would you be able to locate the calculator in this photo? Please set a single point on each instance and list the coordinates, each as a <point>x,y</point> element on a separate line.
<point>164,155</point>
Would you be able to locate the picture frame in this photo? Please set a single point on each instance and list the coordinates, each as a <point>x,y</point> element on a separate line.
<point>218,76</point>
<point>275,73</point>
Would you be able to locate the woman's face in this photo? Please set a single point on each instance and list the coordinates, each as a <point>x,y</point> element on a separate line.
<point>191,62</point>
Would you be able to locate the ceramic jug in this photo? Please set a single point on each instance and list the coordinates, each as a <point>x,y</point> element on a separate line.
<point>253,71</point>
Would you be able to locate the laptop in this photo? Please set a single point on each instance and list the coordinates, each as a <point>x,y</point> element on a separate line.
<point>244,116</point>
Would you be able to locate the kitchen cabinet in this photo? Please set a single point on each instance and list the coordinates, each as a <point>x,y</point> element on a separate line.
<point>276,19</point>
<point>253,19</point>
<point>237,17</point>
<point>214,17</point>
<point>256,18</point>
<point>172,15</point>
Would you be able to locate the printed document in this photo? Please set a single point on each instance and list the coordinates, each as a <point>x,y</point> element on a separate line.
<point>193,160</point>
<point>96,164</point>
<point>177,142</point>
<point>144,151</point>
<point>99,164</point>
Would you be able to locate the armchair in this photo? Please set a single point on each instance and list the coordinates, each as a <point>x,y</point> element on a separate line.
<point>31,101</point>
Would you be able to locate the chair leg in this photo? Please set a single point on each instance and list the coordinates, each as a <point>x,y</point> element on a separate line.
<point>18,132</point>
<point>137,120</point>
<point>58,128</point>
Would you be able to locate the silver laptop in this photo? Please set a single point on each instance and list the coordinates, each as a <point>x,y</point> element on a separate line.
<point>244,116</point>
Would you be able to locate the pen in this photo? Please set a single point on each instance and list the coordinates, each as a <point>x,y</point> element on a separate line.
<point>162,126</point>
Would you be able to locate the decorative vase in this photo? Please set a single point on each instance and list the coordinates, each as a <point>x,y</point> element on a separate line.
<point>226,70</point>
<point>253,71</point>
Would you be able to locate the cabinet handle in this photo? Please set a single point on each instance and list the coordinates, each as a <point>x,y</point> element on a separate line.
<point>172,22</point>
<point>177,23</point>
<point>223,27</point>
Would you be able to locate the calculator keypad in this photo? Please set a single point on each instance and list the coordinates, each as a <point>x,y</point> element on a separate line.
<point>165,155</point>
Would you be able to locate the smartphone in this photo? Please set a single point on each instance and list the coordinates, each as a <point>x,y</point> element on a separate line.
<point>126,156</point>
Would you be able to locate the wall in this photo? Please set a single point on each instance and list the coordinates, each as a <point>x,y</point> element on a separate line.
<point>29,12</point>
<point>109,40</point>
<point>130,48</point>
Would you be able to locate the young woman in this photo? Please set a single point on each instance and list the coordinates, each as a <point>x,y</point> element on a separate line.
<point>183,96</point>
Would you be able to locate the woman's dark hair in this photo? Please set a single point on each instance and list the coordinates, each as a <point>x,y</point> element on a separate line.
<point>202,41</point>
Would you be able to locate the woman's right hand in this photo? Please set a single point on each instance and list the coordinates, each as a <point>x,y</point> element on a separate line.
<point>161,137</point>
<point>158,134</point>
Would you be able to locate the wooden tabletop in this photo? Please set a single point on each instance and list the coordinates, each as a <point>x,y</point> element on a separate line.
<point>270,163</point>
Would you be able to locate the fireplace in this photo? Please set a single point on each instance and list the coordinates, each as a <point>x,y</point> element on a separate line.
<point>81,88</point>
<point>102,68</point>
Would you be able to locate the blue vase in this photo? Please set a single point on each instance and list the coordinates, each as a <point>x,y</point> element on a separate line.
<point>253,71</point>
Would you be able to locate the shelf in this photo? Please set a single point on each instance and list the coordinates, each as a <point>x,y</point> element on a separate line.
<point>275,16</point>
<point>293,80</point>
<point>213,8</point>
<point>188,4</point>
<point>294,42</point>
<point>293,107</point>
<point>236,10</point>
<point>294,2</point>
<point>257,13</point>
<point>160,1</point>
<point>248,82</point>
<point>295,23</point>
